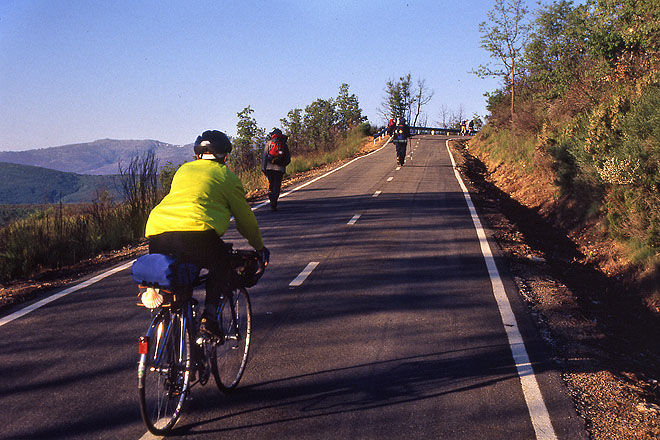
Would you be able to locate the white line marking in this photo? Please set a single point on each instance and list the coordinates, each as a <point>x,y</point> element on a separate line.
<point>398,168</point>
<point>533,398</point>
<point>9,318</point>
<point>389,179</point>
<point>260,205</point>
<point>377,193</point>
<point>304,274</point>
<point>150,436</point>
<point>352,221</point>
<point>43,302</point>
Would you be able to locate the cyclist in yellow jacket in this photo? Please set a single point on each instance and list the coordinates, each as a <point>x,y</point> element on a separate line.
<point>190,220</point>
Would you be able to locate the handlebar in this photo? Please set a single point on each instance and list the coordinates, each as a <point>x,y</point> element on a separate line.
<point>264,259</point>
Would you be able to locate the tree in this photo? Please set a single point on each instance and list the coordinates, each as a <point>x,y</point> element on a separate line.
<point>556,47</point>
<point>403,99</point>
<point>250,141</point>
<point>292,126</point>
<point>398,99</point>
<point>457,117</point>
<point>422,97</point>
<point>348,109</point>
<point>320,118</point>
<point>478,122</point>
<point>444,115</point>
<point>504,36</point>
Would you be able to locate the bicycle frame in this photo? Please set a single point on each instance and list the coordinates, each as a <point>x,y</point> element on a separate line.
<point>174,356</point>
<point>184,317</point>
<point>234,316</point>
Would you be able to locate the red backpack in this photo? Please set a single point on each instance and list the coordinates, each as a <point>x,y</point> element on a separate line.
<point>276,147</point>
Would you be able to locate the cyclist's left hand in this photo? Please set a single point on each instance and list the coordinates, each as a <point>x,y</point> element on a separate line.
<point>264,256</point>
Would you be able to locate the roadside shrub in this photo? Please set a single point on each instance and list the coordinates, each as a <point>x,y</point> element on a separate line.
<point>366,129</point>
<point>54,238</point>
<point>632,172</point>
<point>507,146</point>
<point>348,146</point>
<point>252,179</point>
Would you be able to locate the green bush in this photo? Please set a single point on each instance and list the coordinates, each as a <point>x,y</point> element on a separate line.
<point>631,170</point>
<point>366,129</point>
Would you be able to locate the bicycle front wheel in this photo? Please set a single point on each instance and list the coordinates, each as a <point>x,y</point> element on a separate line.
<point>164,372</point>
<point>229,359</point>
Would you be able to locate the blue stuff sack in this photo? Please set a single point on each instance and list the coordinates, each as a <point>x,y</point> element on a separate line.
<point>163,271</point>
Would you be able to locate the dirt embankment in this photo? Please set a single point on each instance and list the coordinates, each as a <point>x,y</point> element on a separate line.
<point>603,337</point>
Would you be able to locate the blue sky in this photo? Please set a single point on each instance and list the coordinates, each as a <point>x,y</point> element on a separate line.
<point>77,71</point>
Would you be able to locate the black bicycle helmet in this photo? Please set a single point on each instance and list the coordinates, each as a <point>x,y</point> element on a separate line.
<point>214,142</point>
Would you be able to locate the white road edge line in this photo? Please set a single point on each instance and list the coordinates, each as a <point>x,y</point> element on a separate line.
<point>538,412</point>
<point>260,205</point>
<point>354,220</point>
<point>9,318</point>
<point>297,281</point>
<point>150,436</point>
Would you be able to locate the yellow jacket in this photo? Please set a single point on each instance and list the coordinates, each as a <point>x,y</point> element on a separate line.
<point>204,195</point>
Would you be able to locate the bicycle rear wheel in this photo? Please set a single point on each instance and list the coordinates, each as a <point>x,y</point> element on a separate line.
<point>164,372</point>
<point>229,359</point>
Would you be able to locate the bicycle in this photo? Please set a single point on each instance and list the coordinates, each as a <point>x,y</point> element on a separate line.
<point>173,355</point>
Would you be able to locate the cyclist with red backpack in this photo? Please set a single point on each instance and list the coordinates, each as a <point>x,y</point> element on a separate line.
<point>273,164</point>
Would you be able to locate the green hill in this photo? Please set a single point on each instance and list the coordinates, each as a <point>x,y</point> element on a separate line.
<point>25,184</point>
<point>101,157</point>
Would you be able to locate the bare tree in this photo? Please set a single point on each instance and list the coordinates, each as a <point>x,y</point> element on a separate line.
<point>422,97</point>
<point>444,115</point>
<point>139,184</point>
<point>457,117</point>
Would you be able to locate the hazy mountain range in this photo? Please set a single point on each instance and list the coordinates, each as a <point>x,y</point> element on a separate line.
<point>74,173</point>
<point>98,157</point>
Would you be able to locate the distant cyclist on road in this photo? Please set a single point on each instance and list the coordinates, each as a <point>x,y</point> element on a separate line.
<point>401,133</point>
<point>190,220</point>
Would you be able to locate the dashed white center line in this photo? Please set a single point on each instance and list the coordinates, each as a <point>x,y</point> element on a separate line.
<point>353,220</point>
<point>304,274</point>
<point>389,179</point>
<point>376,194</point>
<point>398,168</point>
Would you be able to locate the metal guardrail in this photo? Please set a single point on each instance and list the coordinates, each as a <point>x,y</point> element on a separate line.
<point>420,130</point>
<point>433,130</point>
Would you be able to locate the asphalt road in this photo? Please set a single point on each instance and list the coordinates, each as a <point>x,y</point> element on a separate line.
<point>395,334</point>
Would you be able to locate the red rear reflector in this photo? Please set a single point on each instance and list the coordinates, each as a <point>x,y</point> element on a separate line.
<point>143,345</point>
